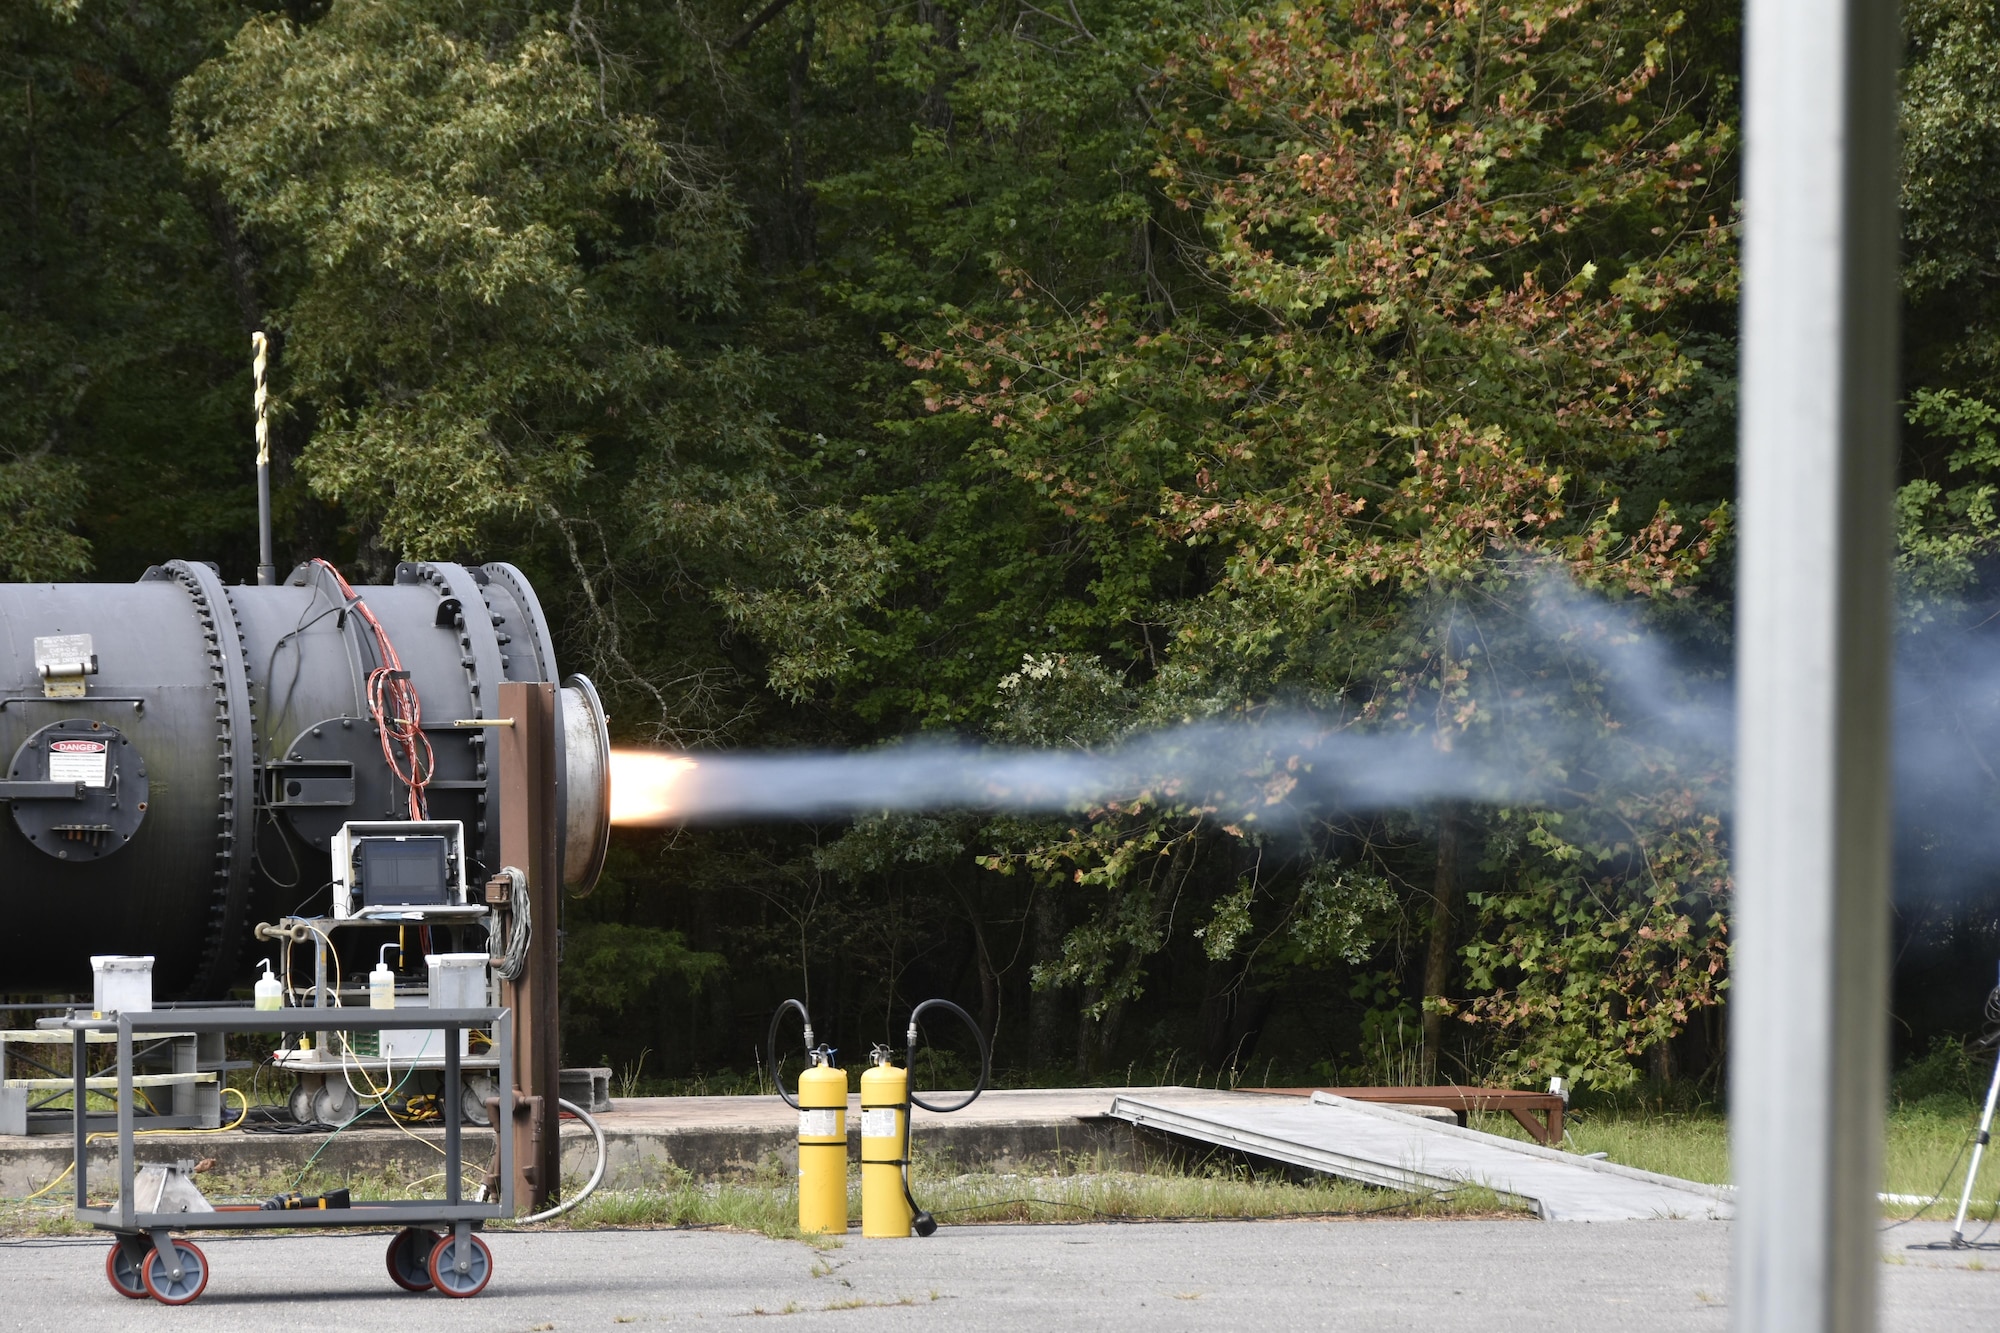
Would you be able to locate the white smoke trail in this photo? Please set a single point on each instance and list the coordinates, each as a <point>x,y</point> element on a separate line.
<point>1583,686</point>
<point>1581,698</point>
<point>1240,768</point>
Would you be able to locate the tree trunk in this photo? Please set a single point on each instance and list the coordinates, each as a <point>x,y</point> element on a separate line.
<point>1086,1035</point>
<point>804,224</point>
<point>1447,905</point>
<point>989,986</point>
<point>1232,1017</point>
<point>1046,1004</point>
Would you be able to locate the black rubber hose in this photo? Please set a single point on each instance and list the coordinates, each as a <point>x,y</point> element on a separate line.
<point>985,1056</point>
<point>921,1220</point>
<point>771,1046</point>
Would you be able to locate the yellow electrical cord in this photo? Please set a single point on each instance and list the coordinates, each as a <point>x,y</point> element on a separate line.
<point>379,1095</point>
<point>112,1134</point>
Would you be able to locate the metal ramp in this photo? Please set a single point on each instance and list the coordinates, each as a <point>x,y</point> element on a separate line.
<point>1378,1146</point>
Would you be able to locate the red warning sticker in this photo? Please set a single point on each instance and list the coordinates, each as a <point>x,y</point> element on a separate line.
<point>78,761</point>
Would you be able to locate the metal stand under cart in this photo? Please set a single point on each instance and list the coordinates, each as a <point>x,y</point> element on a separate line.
<point>147,1260</point>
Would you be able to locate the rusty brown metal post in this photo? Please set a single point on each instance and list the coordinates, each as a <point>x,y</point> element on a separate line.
<point>526,773</point>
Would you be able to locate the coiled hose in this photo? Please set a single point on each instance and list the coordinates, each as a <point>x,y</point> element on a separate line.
<point>512,960</point>
<point>596,1176</point>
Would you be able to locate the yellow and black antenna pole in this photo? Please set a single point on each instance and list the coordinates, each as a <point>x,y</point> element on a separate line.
<point>267,569</point>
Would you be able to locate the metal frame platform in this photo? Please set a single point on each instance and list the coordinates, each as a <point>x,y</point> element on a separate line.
<point>142,1233</point>
<point>191,1073</point>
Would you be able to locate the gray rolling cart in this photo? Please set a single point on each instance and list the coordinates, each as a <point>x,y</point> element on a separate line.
<point>156,1201</point>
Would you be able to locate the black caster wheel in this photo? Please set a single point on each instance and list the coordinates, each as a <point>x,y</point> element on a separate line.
<point>410,1258</point>
<point>167,1289</point>
<point>444,1268</point>
<point>123,1271</point>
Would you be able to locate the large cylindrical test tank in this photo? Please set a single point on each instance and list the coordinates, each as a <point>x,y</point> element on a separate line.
<point>181,752</point>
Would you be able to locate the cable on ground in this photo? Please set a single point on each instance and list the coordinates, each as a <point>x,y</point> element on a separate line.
<point>89,1139</point>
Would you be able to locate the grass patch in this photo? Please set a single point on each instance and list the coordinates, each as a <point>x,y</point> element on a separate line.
<point>1926,1137</point>
<point>1079,1193</point>
<point>54,1215</point>
<point>762,1209</point>
<point>1137,1196</point>
<point>1926,1146</point>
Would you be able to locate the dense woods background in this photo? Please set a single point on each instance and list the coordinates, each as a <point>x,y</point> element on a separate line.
<point>847,369</point>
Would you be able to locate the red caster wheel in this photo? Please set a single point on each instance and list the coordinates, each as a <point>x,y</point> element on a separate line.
<point>444,1268</point>
<point>410,1258</point>
<point>167,1289</point>
<point>123,1271</point>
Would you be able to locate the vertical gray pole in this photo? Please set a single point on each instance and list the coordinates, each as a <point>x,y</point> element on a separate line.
<point>80,1070</point>
<point>1807,1009</point>
<point>127,1205</point>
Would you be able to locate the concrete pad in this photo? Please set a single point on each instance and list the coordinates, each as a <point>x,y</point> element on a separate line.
<point>1441,1276</point>
<point>712,1138</point>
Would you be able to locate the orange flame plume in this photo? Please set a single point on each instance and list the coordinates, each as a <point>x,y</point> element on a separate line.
<point>643,786</point>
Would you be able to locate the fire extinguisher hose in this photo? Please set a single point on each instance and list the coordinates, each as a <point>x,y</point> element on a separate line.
<point>921,1220</point>
<point>771,1046</point>
<point>985,1055</point>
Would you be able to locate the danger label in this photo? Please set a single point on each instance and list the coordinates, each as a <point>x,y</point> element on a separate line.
<point>820,1124</point>
<point>878,1122</point>
<point>78,761</point>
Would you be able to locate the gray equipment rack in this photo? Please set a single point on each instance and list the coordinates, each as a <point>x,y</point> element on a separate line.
<point>145,1250</point>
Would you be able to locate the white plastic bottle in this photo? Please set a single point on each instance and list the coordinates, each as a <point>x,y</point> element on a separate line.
<point>382,982</point>
<point>270,991</point>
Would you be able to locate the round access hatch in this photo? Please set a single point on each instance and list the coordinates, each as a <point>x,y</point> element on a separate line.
<point>77,789</point>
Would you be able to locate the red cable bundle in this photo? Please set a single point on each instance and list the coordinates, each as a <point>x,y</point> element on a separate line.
<point>393,702</point>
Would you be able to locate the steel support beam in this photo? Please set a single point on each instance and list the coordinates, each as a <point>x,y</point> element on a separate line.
<point>1812,828</point>
<point>527,765</point>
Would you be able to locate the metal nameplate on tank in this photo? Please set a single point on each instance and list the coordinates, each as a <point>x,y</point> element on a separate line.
<point>62,661</point>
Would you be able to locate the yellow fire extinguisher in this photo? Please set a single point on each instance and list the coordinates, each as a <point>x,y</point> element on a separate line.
<point>822,1108</point>
<point>888,1208</point>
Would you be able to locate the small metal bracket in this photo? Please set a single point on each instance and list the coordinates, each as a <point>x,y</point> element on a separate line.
<point>96,700</point>
<point>500,888</point>
<point>170,1253</point>
<point>41,791</point>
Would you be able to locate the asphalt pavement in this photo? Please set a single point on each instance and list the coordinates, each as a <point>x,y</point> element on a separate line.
<point>1439,1276</point>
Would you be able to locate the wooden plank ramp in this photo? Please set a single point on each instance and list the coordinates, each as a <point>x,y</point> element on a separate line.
<point>1392,1149</point>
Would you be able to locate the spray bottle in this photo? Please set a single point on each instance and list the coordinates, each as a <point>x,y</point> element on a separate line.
<point>382,982</point>
<point>270,991</point>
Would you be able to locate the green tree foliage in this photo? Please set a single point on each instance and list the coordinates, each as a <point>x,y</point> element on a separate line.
<point>1951,182</point>
<point>121,313</point>
<point>1455,248</point>
<point>507,302</point>
<point>1048,374</point>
